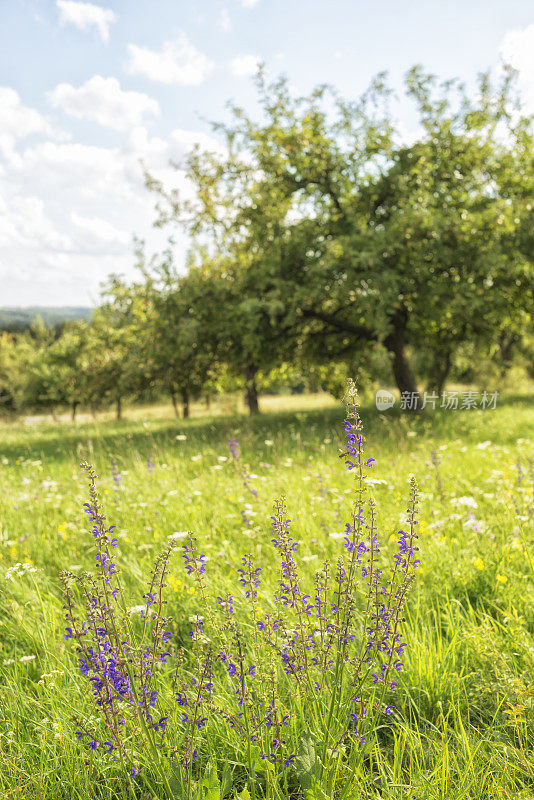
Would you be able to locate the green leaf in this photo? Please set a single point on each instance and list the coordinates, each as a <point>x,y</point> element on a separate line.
<point>261,765</point>
<point>175,782</point>
<point>307,762</point>
<point>211,784</point>
<point>317,793</point>
<point>226,780</point>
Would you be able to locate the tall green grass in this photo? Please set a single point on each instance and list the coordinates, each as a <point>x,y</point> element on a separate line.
<point>463,725</point>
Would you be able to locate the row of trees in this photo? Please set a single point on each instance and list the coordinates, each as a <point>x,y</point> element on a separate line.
<point>322,238</point>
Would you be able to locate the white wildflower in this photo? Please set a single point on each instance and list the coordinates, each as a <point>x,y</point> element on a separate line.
<point>136,609</point>
<point>18,570</point>
<point>477,524</point>
<point>470,502</point>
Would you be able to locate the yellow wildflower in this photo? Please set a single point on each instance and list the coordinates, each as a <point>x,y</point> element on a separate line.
<point>174,583</point>
<point>478,563</point>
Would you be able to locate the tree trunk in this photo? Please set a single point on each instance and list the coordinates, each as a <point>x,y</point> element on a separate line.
<point>118,408</point>
<point>174,404</point>
<point>402,372</point>
<point>75,405</point>
<point>440,372</point>
<point>506,342</point>
<point>444,374</point>
<point>185,403</point>
<point>207,400</point>
<point>251,390</point>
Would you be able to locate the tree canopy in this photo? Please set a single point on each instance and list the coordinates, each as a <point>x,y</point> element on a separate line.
<point>321,235</point>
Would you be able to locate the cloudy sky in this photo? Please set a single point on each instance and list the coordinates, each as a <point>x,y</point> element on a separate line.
<point>89,91</point>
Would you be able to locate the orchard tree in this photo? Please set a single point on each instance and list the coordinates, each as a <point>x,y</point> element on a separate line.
<point>41,385</point>
<point>174,343</point>
<point>242,321</point>
<point>68,359</point>
<point>115,368</point>
<point>9,372</point>
<point>444,224</point>
<point>355,237</point>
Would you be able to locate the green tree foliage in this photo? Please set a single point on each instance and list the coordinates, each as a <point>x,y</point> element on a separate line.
<point>353,237</point>
<point>323,242</point>
<point>115,368</point>
<point>8,372</point>
<point>242,319</point>
<point>180,347</point>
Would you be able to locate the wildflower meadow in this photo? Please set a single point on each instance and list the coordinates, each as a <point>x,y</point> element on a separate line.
<point>326,601</point>
<point>266,400</point>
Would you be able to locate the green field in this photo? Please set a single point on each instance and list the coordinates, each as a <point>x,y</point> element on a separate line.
<point>462,724</point>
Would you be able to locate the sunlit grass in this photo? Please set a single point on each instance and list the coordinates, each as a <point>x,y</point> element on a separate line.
<point>463,724</point>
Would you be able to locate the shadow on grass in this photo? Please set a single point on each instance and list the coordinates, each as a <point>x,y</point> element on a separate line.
<point>290,429</point>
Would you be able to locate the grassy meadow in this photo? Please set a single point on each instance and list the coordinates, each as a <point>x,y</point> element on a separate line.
<point>462,725</point>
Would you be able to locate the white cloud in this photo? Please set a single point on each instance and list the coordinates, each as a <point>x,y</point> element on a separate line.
<point>98,236</point>
<point>102,100</point>
<point>517,50</point>
<point>182,142</point>
<point>408,135</point>
<point>85,16</point>
<point>178,61</point>
<point>249,3</point>
<point>244,66</point>
<point>225,21</point>
<point>68,212</point>
<point>17,120</point>
<point>73,169</point>
<point>25,220</point>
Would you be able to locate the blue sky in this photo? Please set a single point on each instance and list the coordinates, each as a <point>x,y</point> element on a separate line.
<point>89,89</point>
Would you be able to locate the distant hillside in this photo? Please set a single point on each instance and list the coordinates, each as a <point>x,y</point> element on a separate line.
<point>12,317</point>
